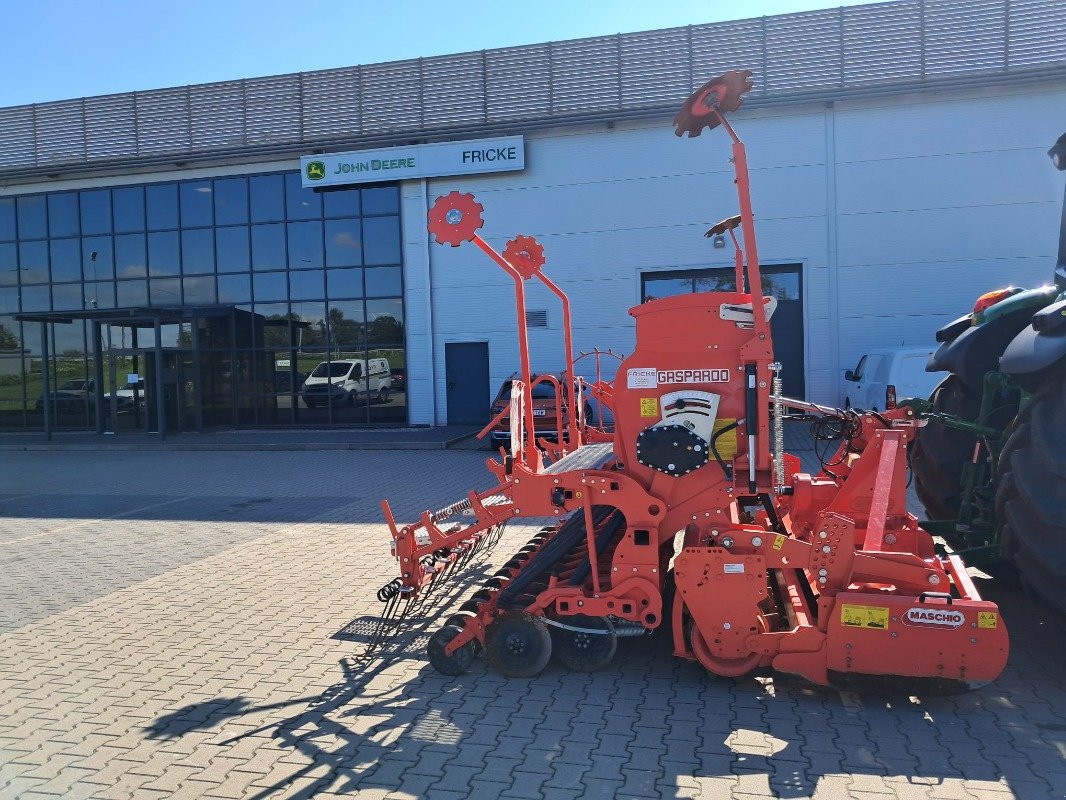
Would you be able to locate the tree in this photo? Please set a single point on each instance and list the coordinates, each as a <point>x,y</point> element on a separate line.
<point>385,329</point>
<point>8,340</point>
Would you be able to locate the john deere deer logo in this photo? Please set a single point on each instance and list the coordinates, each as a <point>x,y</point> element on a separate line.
<point>316,170</point>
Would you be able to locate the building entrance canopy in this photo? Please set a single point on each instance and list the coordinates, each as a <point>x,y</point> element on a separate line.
<point>172,387</point>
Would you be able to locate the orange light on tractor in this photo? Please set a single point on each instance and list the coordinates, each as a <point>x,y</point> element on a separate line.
<point>989,299</point>
<point>890,396</point>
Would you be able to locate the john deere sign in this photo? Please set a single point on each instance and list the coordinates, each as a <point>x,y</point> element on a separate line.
<point>417,161</point>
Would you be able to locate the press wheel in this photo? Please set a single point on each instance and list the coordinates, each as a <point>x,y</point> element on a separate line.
<point>719,665</point>
<point>518,644</point>
<point>584,652</point>
<point>458,662</point>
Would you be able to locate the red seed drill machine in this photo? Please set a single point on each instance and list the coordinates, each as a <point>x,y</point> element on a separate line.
<point>691,497</point>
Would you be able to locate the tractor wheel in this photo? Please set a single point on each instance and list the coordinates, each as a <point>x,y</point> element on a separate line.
<point>1031,497</point>
<point>584,652</point>
<point>518,644</point>
<point>459,661</point>
<point>939,452</point>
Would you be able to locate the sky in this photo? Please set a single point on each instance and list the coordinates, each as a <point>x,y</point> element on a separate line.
<point>60,49</point>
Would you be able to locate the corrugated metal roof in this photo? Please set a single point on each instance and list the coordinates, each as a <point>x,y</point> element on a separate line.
<point>881,47</point>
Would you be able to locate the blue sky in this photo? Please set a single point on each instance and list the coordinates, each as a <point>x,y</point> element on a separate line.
<point>58,49</point>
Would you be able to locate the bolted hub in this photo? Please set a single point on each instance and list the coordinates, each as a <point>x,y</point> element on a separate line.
<point>673,449</point>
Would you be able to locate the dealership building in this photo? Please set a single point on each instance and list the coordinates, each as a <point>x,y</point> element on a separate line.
<point>185,258</point>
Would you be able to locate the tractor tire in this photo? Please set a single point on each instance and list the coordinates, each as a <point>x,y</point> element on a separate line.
<point>939,453</point>
<point>1031,496</point>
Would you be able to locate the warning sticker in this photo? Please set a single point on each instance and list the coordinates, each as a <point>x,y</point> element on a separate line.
<point>727,442</point>
<point>642,378</point>
<point>733,569</point>
<point>987,619</point>
<point>779,541</point>
<point>649,406</point>
<point>875,617</point>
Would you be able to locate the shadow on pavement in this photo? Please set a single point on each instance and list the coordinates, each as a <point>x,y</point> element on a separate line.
<point>650,724</point>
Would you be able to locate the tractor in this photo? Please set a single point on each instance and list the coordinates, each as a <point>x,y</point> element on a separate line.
<point>990,465</point>
<point>688,515</point>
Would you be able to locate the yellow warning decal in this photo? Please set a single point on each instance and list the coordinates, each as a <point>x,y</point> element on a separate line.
<point>649,406</point>
<point>727,442</point>
<point>779,541</point>
<point>987,619</point>
<point>874,617</point>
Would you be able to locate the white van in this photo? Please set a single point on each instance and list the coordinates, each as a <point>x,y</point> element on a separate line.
<point>345,380</point>
<point>884,376</point>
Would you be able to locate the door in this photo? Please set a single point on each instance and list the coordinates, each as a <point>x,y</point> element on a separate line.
<point>466,369</point>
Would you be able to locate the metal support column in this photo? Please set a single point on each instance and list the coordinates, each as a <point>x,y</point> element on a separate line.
<point>49,401</point>
<point>197,372</point>
<point>98,379</point>
<point>160,403</point>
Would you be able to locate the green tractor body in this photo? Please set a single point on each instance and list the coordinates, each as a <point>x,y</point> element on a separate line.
<point>990,462</point>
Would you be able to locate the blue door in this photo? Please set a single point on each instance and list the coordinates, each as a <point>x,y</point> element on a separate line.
<point>466,369</point>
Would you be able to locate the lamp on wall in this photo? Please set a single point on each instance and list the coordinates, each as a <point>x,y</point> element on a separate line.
<point>718,241</point>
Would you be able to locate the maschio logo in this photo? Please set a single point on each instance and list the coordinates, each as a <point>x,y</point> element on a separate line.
<point>316,170</point>
<point>936,617</point>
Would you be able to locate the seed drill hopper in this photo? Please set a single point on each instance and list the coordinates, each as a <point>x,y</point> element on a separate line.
<point>689,515</point>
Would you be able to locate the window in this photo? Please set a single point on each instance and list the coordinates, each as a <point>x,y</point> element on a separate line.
<point>268,247</point>
<point>95,212</point>
<point>161,202</point>
<point>130,258</point>
<point>128,207</point>
<point>98,257</point>
<point>198,251</point>
<point>384,281</point>
<point>231,249</point>
<point>196,202</point>
<point>343,243</point>
<point>163,253</point>
<point>323,269</point>
<point>301,203</point>
<point>234,289</point>
<point>66,259</point>
<point>381,240</point>
<point>305,245</point>
<point>32,222</point>
<point>7,219</point>
<point>267,198</point>
<point>269,287</point>
<point>307,285</point>
<point>63,214</point>
<point>231,201</point>
<point>341,203</point>
<point>381,200</point>
<point>343,283</point>
<point>33,262</point>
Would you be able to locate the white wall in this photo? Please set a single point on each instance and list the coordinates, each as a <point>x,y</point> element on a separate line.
<point>901,211</point>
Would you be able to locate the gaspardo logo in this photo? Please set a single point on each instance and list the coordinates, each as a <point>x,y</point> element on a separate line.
<point>316,170</point>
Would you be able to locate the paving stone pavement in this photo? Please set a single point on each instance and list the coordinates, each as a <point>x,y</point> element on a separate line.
<point>167,629</point>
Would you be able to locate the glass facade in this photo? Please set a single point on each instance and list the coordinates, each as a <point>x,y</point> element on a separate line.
<point>322,274</point>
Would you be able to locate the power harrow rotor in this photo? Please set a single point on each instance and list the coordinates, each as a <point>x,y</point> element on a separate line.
<point>825,575</point>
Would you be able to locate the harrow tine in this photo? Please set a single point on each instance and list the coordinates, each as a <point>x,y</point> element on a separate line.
<point>391,619</point>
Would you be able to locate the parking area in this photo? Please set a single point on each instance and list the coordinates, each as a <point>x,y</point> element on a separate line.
<point>171,626</point>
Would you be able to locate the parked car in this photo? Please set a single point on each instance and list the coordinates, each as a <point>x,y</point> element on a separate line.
<point>345,380</point>
<point>399,380</point>
<point>71,397</point>
<point>546,421</point>
<point>884,376</point>
<point>78,394</point>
